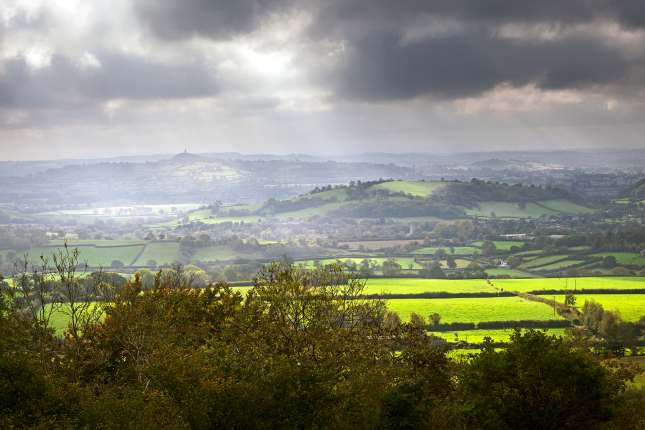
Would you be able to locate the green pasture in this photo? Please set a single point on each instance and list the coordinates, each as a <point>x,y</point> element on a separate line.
<point>627,258</point>
<point>417,286</point>
<point>161,252</point>
<point>473,310</point>
<point>93,256</point>
<point>630,306</point>
<point>415,188</point>
<point>525,285</point>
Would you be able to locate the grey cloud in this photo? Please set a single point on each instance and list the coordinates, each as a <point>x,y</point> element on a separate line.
<point>180,19</point>
<point>64,82</point>
<point>383,66</point>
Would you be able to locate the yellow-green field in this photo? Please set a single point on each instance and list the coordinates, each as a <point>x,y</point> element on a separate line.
<point>417,286</point>
<point>630,306</point>
<point>525,285</point>
<point>473,310</point>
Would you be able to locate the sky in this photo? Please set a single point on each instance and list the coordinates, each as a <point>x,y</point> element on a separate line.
<point>95,78</point>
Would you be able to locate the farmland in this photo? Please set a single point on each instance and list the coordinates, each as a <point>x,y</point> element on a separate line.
<point>416,286</point>
<point>93,256</point>
<point>473,310</point>
<point>595,283</point>
<point>631,307</point>
<point>160,252</point>
<point>415,188</point>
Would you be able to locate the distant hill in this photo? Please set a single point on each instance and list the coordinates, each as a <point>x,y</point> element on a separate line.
<point>404,199</point>
<point>502,164</point>
<point>185,177</point>
<point>636,191</point>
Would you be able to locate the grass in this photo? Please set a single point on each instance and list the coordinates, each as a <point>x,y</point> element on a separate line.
<point>416,286</point>
<point>525,285</point>
<point>628,258</point>
<point>473,310</point>
<point>94,256</point>
<point>415,188</point>
<point>161,252</point>
<point>630,306</point>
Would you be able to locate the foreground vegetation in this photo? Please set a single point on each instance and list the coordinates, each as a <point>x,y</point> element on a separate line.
<point>304,349</point>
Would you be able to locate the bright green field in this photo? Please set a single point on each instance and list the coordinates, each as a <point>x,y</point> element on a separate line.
<point>459,250</point>
<point>630,306</point>
<point>501,245</point>
<point>417,286</point>
<point>477,336</point>
<point>94,256</point>
<point>416,188</point>
<point>630,258</point>
<point>525,285</point>
<point>161,252</point>
<point>473,310</point>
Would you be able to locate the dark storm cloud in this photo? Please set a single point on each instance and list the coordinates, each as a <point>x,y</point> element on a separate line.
<point>378,63</point>
<point>383,66</point>
<point>180,19</point>
<point>65,82</point>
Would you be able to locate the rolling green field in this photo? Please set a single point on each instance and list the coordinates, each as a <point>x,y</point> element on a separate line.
<point>416,286</point>
<point>473,310</point>
<point>629,258</point>
<point>94,256</point>
<point>525,285</point>
<point>415,188</point>
<point>630,306</point>
<point>161,252</point>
